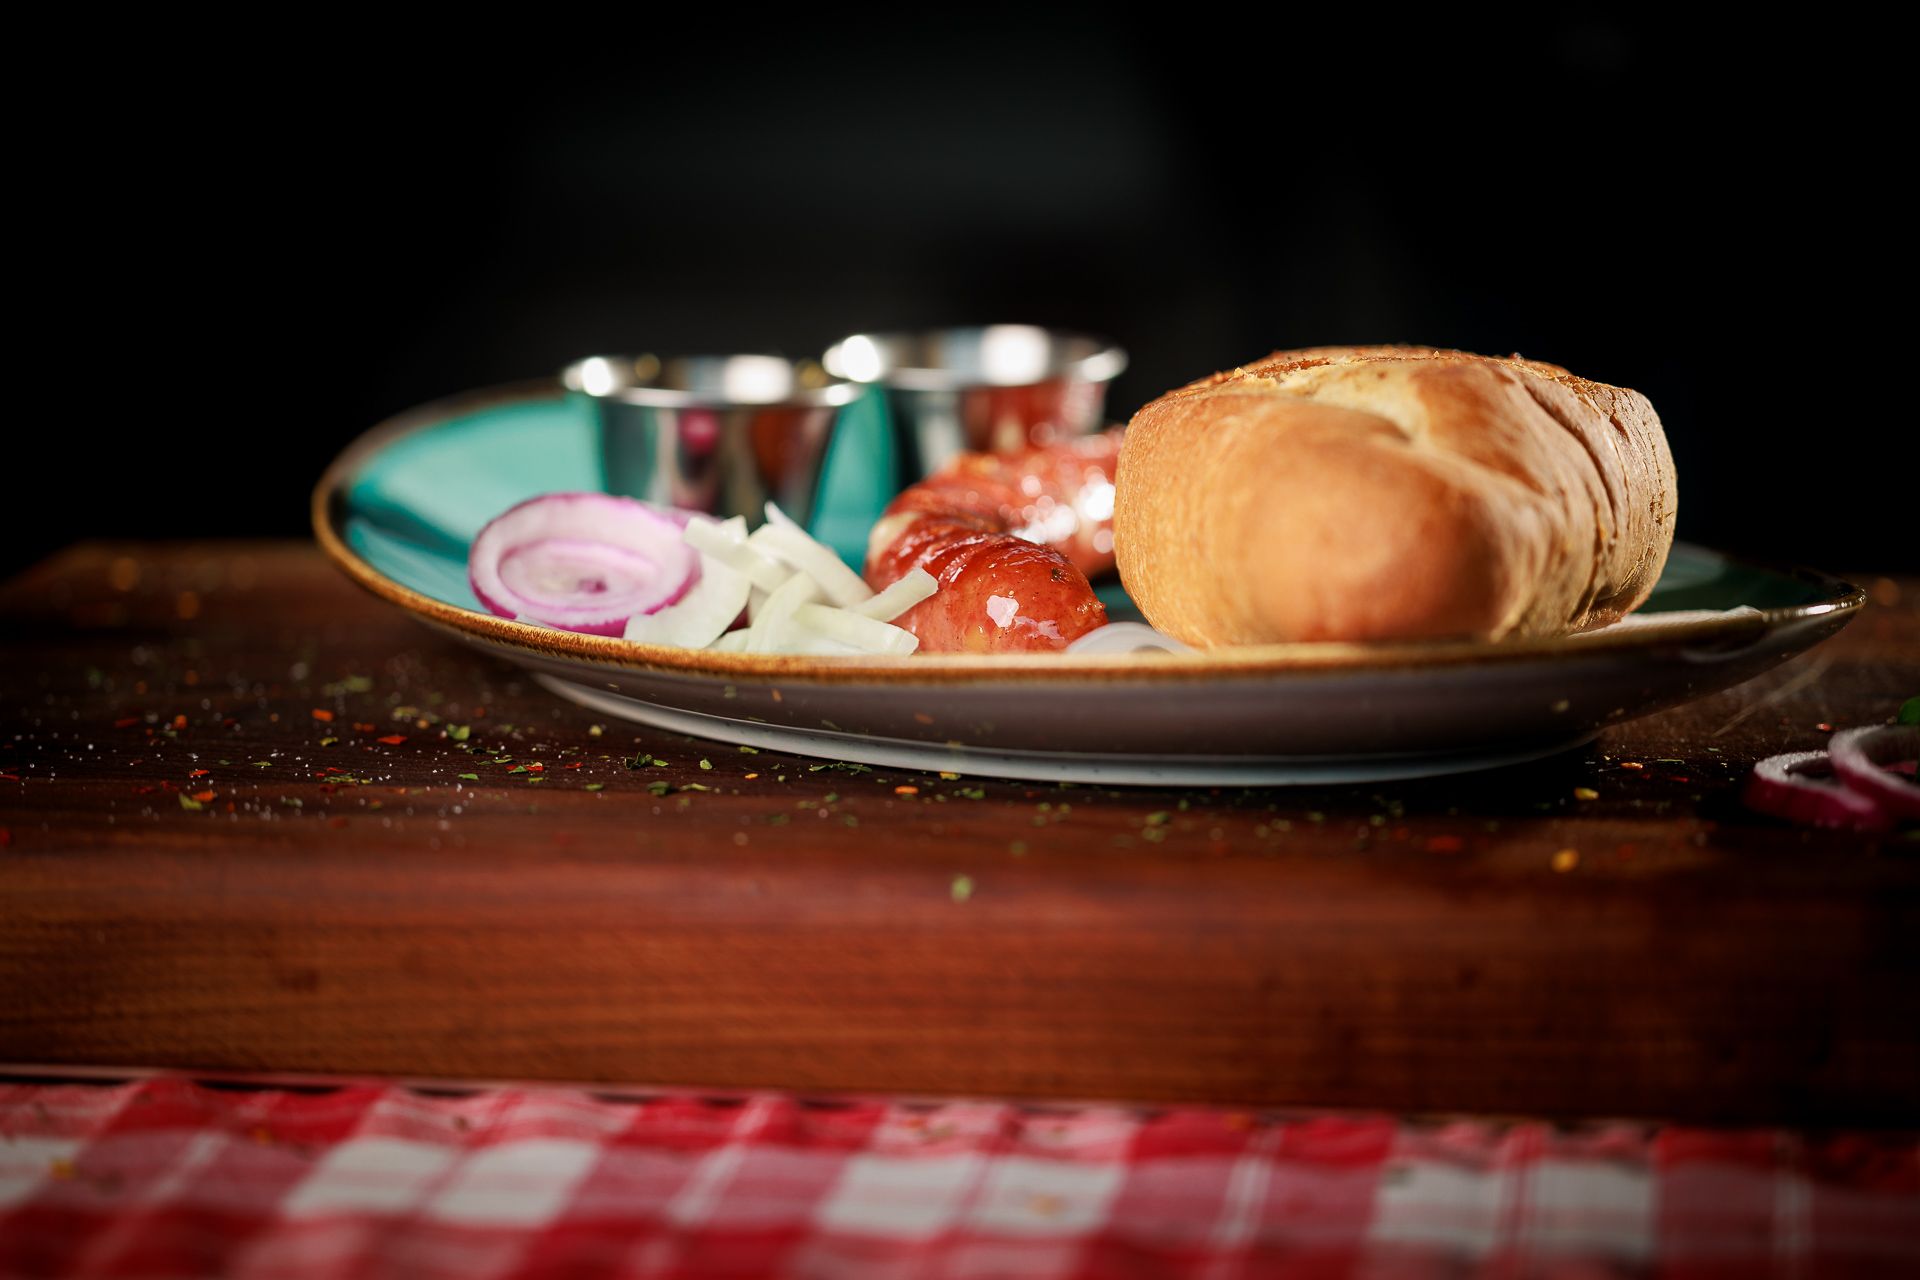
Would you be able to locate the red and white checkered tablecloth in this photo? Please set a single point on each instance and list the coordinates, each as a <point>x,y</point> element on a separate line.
<point>165,1178</point>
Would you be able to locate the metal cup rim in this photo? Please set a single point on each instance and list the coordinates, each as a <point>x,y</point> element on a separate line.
<point>836,392</point>
<point>1105,361</point>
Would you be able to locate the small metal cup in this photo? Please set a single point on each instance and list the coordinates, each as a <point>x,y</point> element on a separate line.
<point>995,388</point>
<point>719,434</point>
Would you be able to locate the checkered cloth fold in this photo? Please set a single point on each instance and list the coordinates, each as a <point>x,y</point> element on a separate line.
<point>165,1178</point>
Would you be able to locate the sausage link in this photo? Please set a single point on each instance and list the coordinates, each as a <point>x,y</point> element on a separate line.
<point>1010,539</point>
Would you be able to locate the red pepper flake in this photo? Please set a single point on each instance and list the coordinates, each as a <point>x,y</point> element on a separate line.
<point>10,777</point>
<point>323,715</point>
<point>1445,844</point>
<point>179,722</point>
<point>126,722</point>
<point>534,768</point>
<point>1631,764</point>
<point>575,765</point>
<point>394,739</point>
<point>364,728</point>
<point>197,773</point>
<point>906,791</point>
<point>1824,727</point>
<point>921,717</point>
<point>203,796</point>
<point>776,696</point>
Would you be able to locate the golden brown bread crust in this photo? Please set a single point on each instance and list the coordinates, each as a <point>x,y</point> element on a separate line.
<point>1391,493</point>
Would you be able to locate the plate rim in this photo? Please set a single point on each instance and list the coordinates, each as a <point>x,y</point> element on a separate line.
<point>328,503</point>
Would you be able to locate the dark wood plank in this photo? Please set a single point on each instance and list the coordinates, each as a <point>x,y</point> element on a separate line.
<point>1492,943</point>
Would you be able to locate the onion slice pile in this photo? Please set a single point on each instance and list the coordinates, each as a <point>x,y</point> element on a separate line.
<point>585,562</point>
<point>1851,787</point>
<point>798,596</point>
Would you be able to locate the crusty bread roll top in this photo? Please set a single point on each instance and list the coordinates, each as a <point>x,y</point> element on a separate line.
<point>1391,493</point>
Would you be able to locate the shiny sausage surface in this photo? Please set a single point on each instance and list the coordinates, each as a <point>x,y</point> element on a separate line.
<point>1010,539</point>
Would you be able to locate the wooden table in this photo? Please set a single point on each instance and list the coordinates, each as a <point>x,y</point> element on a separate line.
<point>240,833</point>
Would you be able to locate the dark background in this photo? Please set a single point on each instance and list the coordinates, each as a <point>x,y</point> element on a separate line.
<point>257,257</point>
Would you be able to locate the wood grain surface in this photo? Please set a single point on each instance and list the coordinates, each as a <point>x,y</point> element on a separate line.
<point>253,820</point>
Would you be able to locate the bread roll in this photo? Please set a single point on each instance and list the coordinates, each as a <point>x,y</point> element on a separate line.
<point>1391,493</point>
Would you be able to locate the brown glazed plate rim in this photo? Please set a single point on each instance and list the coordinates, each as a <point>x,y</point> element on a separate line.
<point>1840,600</point>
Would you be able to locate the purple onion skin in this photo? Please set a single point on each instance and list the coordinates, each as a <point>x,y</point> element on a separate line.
<point>592,626</point>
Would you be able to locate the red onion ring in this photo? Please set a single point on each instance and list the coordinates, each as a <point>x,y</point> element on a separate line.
<point>1861,760</point>
<point>1787,787</point>
<point>583,562</point>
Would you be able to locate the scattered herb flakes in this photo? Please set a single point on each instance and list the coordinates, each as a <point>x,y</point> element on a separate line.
<point>470,777</point>
<point>841,766</point>
<point>659,788</point>
<point>1585,793</point>
<point>327,742</point>
<point>830,797</point>
<point>695,786</point>
<point>962,888</point>
<point>1182,806</point>
<point>749,751</point>
<point>188,802</point>
<point>503,760</point>
<point>459,732</point>
<point>1017,848</point>
<point>949,777</point>
<point>972,793</point>
<point>262,764</point>
<point>778,820</point>
<point>293,802</point>
<point>595,730</point>
<point>1158,818</point>
<point>595,786</point>
<point>1154,835</point>
<point>1909,712</point>
<point>706,764</point>
<point>640,761</point>
<point>851,821</point>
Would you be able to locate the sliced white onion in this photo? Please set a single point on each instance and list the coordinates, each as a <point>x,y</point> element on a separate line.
<point>726,541</point>
<point>732,642</point>
<point>771,631</point>
<point>901,596</point>
<point>702,615</point>
<point>1127,637</point>
<point>867,635</point>
<point>818,561</point>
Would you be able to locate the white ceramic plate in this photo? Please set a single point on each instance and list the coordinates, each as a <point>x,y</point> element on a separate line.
<point>397,510</point>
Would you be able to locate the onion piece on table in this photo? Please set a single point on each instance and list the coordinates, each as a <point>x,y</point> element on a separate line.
<point>584,562</point>
<point>1861,760</point>
<point>1791,786</point>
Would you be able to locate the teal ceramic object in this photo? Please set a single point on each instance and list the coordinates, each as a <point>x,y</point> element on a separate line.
<point>398,510</point>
